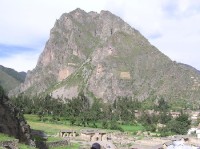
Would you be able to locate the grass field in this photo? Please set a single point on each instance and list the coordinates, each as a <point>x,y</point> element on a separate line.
<point>73,146</point>
<point>54,127</point>
<point>132,128</point>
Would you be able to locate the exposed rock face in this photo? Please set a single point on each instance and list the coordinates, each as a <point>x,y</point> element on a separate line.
<point>11,121</point>
<point>102,54</point>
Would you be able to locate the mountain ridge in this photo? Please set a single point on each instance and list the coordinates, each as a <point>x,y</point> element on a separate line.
<point>100,54</point>
<point>9,78</point>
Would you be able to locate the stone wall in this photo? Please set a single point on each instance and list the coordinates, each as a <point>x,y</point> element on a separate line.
<point>57,143</point>
<point>46,145</point>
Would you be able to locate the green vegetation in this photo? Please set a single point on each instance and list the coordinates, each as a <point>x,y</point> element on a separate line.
<point>72,146</point>
<point>10,78</point>
<point>133,128</point>
<point>18,76</point>
<point>53,139</point>
<point>81,112</point>
<point>5,137</point>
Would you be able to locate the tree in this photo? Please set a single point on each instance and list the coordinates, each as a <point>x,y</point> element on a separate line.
<point>78,110</point>
<point>95,111</point>
<point>162,105</point>
<point>125,108</point>
<point>180,125</point>
<point>164,117</point>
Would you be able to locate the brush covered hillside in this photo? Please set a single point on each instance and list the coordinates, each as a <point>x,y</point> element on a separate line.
<point>10,79</point>
<point>103,56</point>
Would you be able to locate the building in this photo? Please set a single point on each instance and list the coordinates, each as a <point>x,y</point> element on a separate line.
<point>93,135</point>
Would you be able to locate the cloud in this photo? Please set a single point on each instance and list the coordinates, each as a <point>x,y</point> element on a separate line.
<point>22,61</point>
<point>172,26</point>
<point>18,57</point>
<point>26,22</point>
<point>180,8</point>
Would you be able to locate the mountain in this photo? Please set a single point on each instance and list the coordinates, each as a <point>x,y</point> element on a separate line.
<point>10,79</point>
<point>103,56</point>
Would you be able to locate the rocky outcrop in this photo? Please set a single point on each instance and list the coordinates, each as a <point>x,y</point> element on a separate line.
<point>102,55</point>
<point>12,121</point>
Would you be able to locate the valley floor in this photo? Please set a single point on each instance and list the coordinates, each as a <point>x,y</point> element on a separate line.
<point>117,140</point>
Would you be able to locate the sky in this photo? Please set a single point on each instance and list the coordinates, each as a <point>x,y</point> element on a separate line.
<point>173,26</point>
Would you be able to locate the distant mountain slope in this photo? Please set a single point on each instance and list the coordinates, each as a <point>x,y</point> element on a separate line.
<point>103,56</point>
<point>10,78</point>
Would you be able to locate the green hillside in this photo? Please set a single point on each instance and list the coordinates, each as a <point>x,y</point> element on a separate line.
<point>10,78</point>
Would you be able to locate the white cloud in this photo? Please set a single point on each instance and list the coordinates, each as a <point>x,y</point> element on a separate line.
<point>24,22</point>
<point>172,26</point>
<point>21,62</point>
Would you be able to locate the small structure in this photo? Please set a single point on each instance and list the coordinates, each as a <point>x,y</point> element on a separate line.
<point>93,135</point>
<point>67,133</point>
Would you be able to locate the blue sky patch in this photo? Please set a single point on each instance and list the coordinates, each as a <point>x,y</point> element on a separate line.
<point>7,50</point>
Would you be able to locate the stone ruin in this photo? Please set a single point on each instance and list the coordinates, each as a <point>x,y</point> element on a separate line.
<point>93,135</point>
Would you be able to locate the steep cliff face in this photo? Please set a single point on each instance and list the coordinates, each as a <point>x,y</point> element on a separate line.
<point>11,121</point>
<point>102,55</point>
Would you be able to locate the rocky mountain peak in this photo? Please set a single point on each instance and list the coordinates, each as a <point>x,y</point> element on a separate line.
<point>102,55</point>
